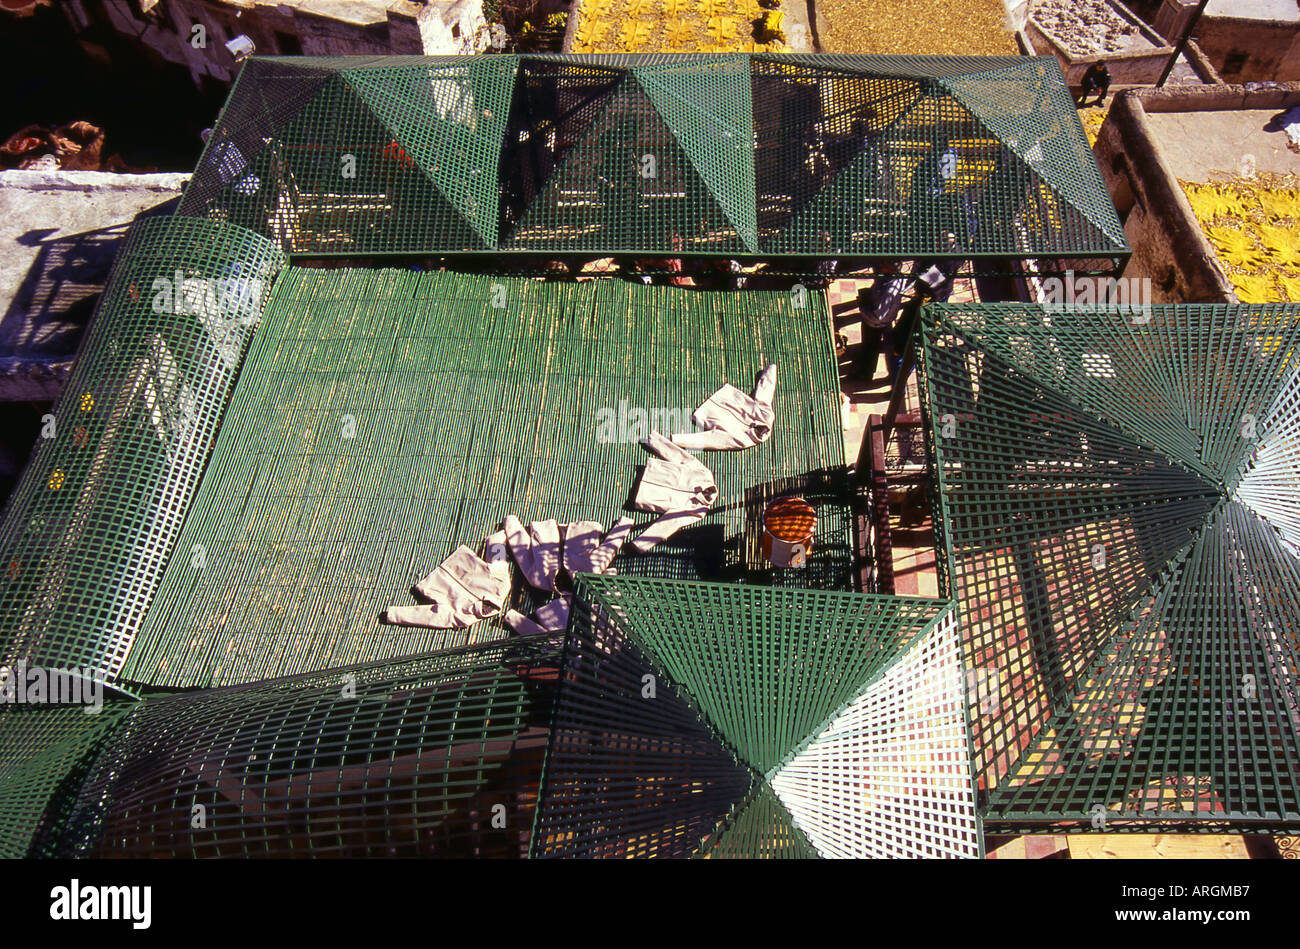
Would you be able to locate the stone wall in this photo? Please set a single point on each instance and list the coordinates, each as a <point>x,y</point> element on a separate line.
<point>1169,248</point>
<point>59,234</point>
<point>1251,50</point>
<point>167,31</point>
<point>1242,49</point>
<point>453,27</point>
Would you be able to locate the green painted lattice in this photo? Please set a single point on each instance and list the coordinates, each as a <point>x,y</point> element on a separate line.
<point>1116,508</point>
<point>92,522</point>
<point>460,413</point>
<point>738,721</point>
<point>433,757</point>
<point>767,699</point>
<point>44,754</point>
<point>676,154</point>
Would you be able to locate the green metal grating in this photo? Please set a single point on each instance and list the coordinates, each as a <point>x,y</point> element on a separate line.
<point>94,518</point>
<point>733,720</point>
<point>784,723</point>
<point>635,159</point>
<point>1117,518</point>
<point>733,155</point>
<point>762,829</point>
<point>434,757</point>
<point>463,413</point>
<point>44,754</point>
<point>992,157</point>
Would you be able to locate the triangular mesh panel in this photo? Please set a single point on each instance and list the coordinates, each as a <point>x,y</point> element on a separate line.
<point>762,675</point>
<point>896,759</point>
<point>626,184</point>
<point>632,770</point>
<point>1268,485</point>
<point>449,118</point>
<point>818,130</point>
<point>1191,715</point>
<point>761,829</point>
<point>551,110</point>
<point>1033,115</point>
<point>268,94</point>
<point>706,105</point>
<point>724,155</point>
<point>336,178</point>
<point>910,168</point>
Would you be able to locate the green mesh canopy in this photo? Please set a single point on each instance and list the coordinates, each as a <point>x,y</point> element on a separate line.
<point>1115,500</point>
<point>45,751</point>
<point>673,718</point>
<point>730,155</point>
<point>95,516</point>
<point>434,757</point>
<point>707,719</point>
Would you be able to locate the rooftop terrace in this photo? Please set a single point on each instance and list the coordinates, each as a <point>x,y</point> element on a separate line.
<point>304,391</point>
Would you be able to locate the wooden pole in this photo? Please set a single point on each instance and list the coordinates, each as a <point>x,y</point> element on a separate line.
<point>1182,43</point>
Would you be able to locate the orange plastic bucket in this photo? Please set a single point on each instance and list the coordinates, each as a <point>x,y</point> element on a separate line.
<point>788,528</point>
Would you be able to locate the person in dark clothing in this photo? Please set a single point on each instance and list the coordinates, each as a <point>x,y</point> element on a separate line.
<point>899,336</point>
<point>879,307</point>
<point>932,282</point>
<point>1096,81</point>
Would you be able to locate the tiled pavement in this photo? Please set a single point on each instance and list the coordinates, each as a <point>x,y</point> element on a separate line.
<point>861,397</point>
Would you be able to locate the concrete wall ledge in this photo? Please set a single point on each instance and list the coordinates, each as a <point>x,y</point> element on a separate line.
<point>1169,246</point>
<point>59,180</point>
<point>1210,98</point>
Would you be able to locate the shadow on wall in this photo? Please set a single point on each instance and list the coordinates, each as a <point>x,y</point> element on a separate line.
<point>49,312</point>
<point>42,328</point>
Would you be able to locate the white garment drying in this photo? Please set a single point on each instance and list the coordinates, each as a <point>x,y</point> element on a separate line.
<point>462,590</point>
<point>537,550</point>
<point>674,480</point>
<point>554,615</point>
<point>497,553</point>
<point>665,486</point>
<point>550,617</point>
<point>521,624</point>
<point>586,552</point>
<point>667,525</point>
<point>730,419</point>
<point>431,616</point>
<point>676,485</point>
